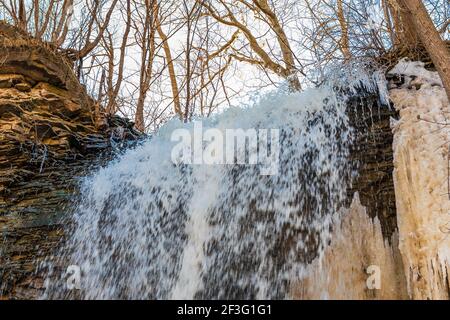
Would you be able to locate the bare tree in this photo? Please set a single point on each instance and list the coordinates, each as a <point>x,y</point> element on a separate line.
<point>170,64</point>
<point>108,42</point>
<point>287,68</point>
<point>146,42</point>
<point>151,60</point>
<point>345,48</point>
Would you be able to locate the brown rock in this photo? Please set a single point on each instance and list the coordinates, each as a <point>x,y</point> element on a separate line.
<point>8,80</point>
<point>48,139</point>
<point>23,86</point>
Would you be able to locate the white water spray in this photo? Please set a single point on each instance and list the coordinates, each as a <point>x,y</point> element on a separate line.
<point>148,228</point>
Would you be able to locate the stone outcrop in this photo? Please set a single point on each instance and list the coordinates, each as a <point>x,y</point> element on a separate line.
<point>372,156</point>
<point>49,136</point>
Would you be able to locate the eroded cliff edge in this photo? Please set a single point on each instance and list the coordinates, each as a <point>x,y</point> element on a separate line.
<point>50,136</point>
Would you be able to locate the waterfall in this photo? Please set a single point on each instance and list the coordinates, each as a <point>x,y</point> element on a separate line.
<point>146,227</point>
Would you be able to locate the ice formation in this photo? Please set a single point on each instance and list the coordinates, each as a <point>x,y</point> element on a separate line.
<point>421,178</point>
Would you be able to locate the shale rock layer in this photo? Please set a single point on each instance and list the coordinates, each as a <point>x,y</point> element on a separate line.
<point>49,137</point>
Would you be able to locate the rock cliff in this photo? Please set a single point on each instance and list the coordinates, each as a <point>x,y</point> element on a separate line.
<point>49,136</point>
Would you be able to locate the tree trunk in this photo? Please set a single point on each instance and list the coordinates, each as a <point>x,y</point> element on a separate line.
<point>139,121</point>
<point>344,31</point>
<point>283,41</point>
<point>147,58</point>
<point>407,31</point>
<point>170,66</point>
<point>429,37</point>
<point>22,16</point>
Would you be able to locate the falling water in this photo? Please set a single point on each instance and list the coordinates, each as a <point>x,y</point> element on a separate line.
<point>146,227</point>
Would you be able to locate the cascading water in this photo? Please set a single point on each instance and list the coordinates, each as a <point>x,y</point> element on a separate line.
<point>148,228</point>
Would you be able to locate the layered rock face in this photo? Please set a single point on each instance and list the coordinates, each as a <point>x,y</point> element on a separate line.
<point>49,135</point>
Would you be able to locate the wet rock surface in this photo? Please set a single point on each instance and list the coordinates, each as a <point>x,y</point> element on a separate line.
<point>372,154</point>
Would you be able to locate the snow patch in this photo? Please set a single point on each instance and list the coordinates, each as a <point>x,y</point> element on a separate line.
<point>415,73</point>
